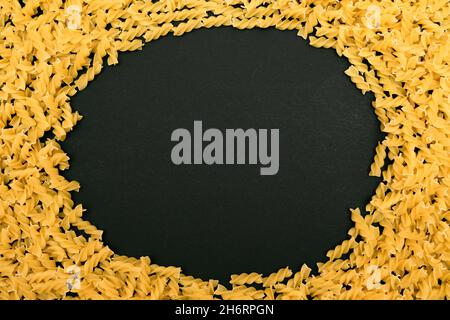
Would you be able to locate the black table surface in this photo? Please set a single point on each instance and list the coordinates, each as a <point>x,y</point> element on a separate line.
<point>222,219</point>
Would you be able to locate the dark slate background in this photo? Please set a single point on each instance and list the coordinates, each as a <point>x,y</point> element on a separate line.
<point>217,220</point>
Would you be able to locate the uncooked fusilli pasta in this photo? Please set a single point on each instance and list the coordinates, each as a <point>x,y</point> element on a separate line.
<point>398,248</point>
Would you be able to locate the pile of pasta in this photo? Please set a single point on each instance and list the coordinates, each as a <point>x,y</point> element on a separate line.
<point>398,246</point>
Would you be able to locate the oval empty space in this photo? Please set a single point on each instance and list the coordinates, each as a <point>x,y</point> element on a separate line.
<point>215,220</point>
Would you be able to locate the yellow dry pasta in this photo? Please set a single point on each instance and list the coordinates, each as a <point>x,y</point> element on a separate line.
<point>398,248</point>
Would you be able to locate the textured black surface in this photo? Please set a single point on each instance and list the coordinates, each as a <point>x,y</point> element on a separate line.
<point>218,220</point>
